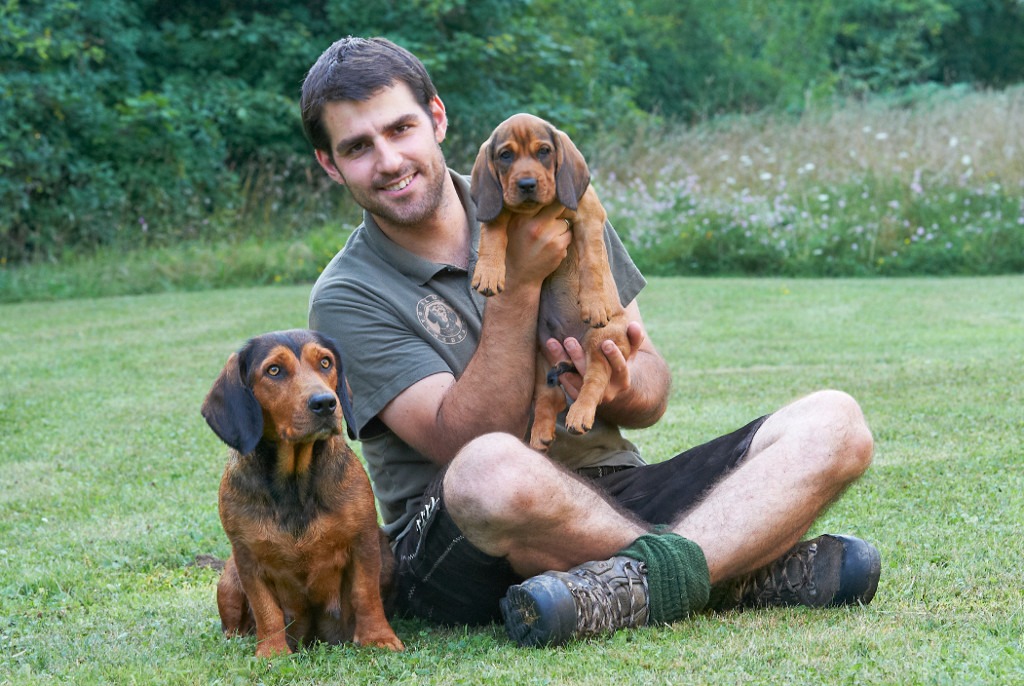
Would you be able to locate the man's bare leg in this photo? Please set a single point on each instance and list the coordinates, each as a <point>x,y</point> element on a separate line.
<point>511,502</point>
<point>800,461</point>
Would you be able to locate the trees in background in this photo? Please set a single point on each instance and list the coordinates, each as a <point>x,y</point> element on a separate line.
<point>150,121</point>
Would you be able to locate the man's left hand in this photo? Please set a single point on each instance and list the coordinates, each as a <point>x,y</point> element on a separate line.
<point>571,350</point>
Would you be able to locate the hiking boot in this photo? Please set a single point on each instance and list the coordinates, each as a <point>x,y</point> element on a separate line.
<point>824,572</point>
<point>593,598</point>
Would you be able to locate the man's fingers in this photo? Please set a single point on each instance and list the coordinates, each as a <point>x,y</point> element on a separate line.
<point>554,352</point>
<point>577,355</point>
<point>636,336</point>
<point>620,368</point>
<point>551,211</point>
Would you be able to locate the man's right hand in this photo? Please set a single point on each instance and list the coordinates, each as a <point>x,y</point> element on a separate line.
<point>536,246</point>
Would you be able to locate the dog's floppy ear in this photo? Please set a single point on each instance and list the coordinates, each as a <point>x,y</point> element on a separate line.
<point>232,410</point>
<point>572,175</point>
<point>485,188</point>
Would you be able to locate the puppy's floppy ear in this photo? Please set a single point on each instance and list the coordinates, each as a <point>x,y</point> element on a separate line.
<point>232,410</point>
<point>485,188</point>
<point>572,176</point>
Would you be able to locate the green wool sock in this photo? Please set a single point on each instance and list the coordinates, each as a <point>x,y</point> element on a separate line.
<point>678,582</point>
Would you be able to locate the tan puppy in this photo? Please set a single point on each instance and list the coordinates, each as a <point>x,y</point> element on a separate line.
<point>307,557</point>
<point>526,165</point>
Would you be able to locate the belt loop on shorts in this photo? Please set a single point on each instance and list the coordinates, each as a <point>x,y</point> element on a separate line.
<point>598,472</point>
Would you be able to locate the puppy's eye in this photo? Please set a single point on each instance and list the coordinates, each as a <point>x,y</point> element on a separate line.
<point>505,156</point>
<point>543,151</point>
<point>273,370</point>
<point>325,363</point>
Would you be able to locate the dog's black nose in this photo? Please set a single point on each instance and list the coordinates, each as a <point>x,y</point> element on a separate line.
<point>527,185</point>
<point>323,404</point>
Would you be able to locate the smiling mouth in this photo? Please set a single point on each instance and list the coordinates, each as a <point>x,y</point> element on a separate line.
<point>400,184</point>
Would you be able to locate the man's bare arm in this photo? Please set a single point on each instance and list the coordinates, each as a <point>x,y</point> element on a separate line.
<point>439,414</point>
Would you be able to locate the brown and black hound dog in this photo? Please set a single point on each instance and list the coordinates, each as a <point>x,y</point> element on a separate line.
<point>307,557</point>
<point>525,165</point>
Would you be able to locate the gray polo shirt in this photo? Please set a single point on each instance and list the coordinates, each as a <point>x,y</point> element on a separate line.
<point>397,319</point>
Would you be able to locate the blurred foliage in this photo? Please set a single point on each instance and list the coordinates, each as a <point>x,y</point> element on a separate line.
<point>147,122</point>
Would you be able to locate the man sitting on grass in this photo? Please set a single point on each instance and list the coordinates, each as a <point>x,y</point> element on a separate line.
<point>588,539</point>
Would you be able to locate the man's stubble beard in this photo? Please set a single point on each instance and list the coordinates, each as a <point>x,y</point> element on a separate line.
<point>411,215</point>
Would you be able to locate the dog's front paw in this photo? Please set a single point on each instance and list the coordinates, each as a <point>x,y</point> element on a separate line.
<point>386,640</point>
<point>272,646</point>
<point>489,280</point>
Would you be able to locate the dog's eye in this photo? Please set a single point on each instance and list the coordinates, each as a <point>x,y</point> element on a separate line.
<point>543,151</point>
<point>325,363</point>
<point>273,370</point>
<point>505,155</point>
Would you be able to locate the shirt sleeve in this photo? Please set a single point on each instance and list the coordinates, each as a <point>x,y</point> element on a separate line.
<point>628,278</point>
<point>381,356</point>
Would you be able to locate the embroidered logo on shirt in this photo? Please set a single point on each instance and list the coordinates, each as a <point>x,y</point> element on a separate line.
<point>441,320</point>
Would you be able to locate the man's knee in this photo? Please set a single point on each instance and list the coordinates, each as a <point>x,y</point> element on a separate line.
<point>827,431</point>
<point>845,436</point>
<point>489,480</point>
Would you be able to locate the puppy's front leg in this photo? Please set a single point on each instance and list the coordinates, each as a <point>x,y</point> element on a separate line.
<point>489,275</point>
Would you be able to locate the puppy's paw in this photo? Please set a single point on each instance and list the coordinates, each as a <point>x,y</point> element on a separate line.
<point>594,311</point>
<point>488,281</point>
<point>541,440</point>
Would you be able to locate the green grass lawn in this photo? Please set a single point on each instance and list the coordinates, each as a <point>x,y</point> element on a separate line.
<point>108,482</point>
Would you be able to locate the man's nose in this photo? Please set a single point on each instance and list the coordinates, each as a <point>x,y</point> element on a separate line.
<point>389,158</point>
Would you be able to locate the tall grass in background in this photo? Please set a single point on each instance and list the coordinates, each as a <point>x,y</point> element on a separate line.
<point>929,185</point>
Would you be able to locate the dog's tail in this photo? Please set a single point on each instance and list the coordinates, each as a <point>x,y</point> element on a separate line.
<point>558,370</point>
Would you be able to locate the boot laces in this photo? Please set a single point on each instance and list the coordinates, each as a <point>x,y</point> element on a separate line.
<point>787,579</point>
<point>611,598</point>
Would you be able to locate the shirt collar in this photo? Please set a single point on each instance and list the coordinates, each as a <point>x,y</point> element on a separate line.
<point>412,265</point>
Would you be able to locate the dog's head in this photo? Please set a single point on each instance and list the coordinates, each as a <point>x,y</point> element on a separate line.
<point>527,164</point>
<point>287,386</point>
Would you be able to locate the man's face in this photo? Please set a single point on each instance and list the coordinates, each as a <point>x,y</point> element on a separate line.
<point>387,151</point>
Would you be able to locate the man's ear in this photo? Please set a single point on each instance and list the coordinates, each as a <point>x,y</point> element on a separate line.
<point>326,161</point>
<point>440,118</point>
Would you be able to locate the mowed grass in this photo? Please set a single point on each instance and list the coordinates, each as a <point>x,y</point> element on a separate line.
<point>108,482</point>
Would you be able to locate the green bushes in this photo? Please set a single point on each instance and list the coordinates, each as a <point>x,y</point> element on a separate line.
<point>866,228</point>
<point>130,123</point>
<point>876,188</point>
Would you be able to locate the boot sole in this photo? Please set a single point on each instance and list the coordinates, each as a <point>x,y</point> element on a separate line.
<point>542,615</point>
<point>861,568</point>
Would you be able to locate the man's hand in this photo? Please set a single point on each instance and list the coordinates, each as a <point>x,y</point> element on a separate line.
<point>536,246</point>
<point>571,350</point>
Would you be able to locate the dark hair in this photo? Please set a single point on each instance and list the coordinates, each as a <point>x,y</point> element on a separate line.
<point>356,69</point>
